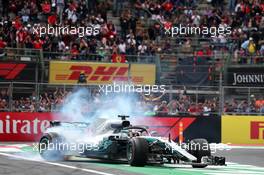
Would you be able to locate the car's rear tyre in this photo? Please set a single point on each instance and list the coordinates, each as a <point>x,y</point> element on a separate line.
<point>137,152</point>
<point>48,148</point>
<point>202,148</point>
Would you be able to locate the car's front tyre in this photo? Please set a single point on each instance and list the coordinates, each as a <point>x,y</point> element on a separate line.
<point>137,151</point>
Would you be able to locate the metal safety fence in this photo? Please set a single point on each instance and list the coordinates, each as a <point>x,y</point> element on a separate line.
<point>162,99</point>
<point>104,55</point>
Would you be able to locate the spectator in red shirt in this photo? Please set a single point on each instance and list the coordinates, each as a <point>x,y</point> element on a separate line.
<point>17,23</point>
<point>200,53</point>
<point>2,43</point>
<point>52,19</point>
<point>208,52</point>
<point>46,7</point>
<point>195,109</point>
<point>262,6</point>
<point>163,108</point>
<point>168,6</point>
<point>21,35</point>
<point>13,7</point>
<point>2,46</point>
<point>111,33</point>
<point>38,43</point>
<point>75,52</point>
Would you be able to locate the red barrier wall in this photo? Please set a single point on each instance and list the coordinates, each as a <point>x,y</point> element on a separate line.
<point>27,127</point>
<point>23,126</point>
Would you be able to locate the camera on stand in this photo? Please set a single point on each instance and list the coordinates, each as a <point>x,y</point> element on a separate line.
<point>82,79</point>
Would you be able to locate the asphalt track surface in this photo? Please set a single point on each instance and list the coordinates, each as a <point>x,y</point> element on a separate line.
<point>19,159</point>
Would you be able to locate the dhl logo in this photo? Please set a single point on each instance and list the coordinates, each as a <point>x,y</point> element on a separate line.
<point>257,130</point>
<point>99,73</point>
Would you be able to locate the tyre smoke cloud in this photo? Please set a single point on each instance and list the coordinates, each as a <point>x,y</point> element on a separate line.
<point>103,106</point>
<point>105,110</point>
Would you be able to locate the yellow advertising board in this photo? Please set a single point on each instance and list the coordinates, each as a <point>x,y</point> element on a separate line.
<point>242,129</point>
<point>67,72</point>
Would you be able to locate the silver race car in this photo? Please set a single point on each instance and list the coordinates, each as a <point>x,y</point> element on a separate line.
<point>119,140</point>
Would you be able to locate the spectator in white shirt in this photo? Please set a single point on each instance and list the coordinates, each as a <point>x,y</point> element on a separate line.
<point>131,40</point>
<point>196,19</point>
<point>71,15</point>
<point>122,47</point>
<point>142,48</point>
<point>61,46</point>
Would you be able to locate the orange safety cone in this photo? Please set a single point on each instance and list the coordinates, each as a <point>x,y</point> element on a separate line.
<point>181,133</point>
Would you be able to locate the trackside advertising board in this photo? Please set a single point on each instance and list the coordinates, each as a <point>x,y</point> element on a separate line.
<point>245,76</point>
<point>243,129</point>
<point>17,71</point>
<point>27,126</point>
<point>101,73</point>
<point>23,126</point>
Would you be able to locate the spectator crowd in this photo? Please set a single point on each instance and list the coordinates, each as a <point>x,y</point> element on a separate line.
<point>153,104</point>
<point>141,26</point>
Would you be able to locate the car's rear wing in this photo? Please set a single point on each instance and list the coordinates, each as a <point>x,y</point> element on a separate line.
<point>123,117</point>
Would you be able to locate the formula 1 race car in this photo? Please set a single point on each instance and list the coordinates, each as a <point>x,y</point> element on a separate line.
<point>119,140</point>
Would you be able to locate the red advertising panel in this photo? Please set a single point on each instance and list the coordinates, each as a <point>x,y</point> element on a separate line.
<point>19,126</point>
<point>26,127</point>
<point>17,71</point>
<point>167,125</point>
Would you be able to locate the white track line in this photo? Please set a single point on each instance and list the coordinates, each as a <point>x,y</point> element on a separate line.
<point>57,164</point>
<point>246,147</point>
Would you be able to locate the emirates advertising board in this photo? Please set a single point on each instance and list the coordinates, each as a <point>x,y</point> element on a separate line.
<point>26,126</point>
